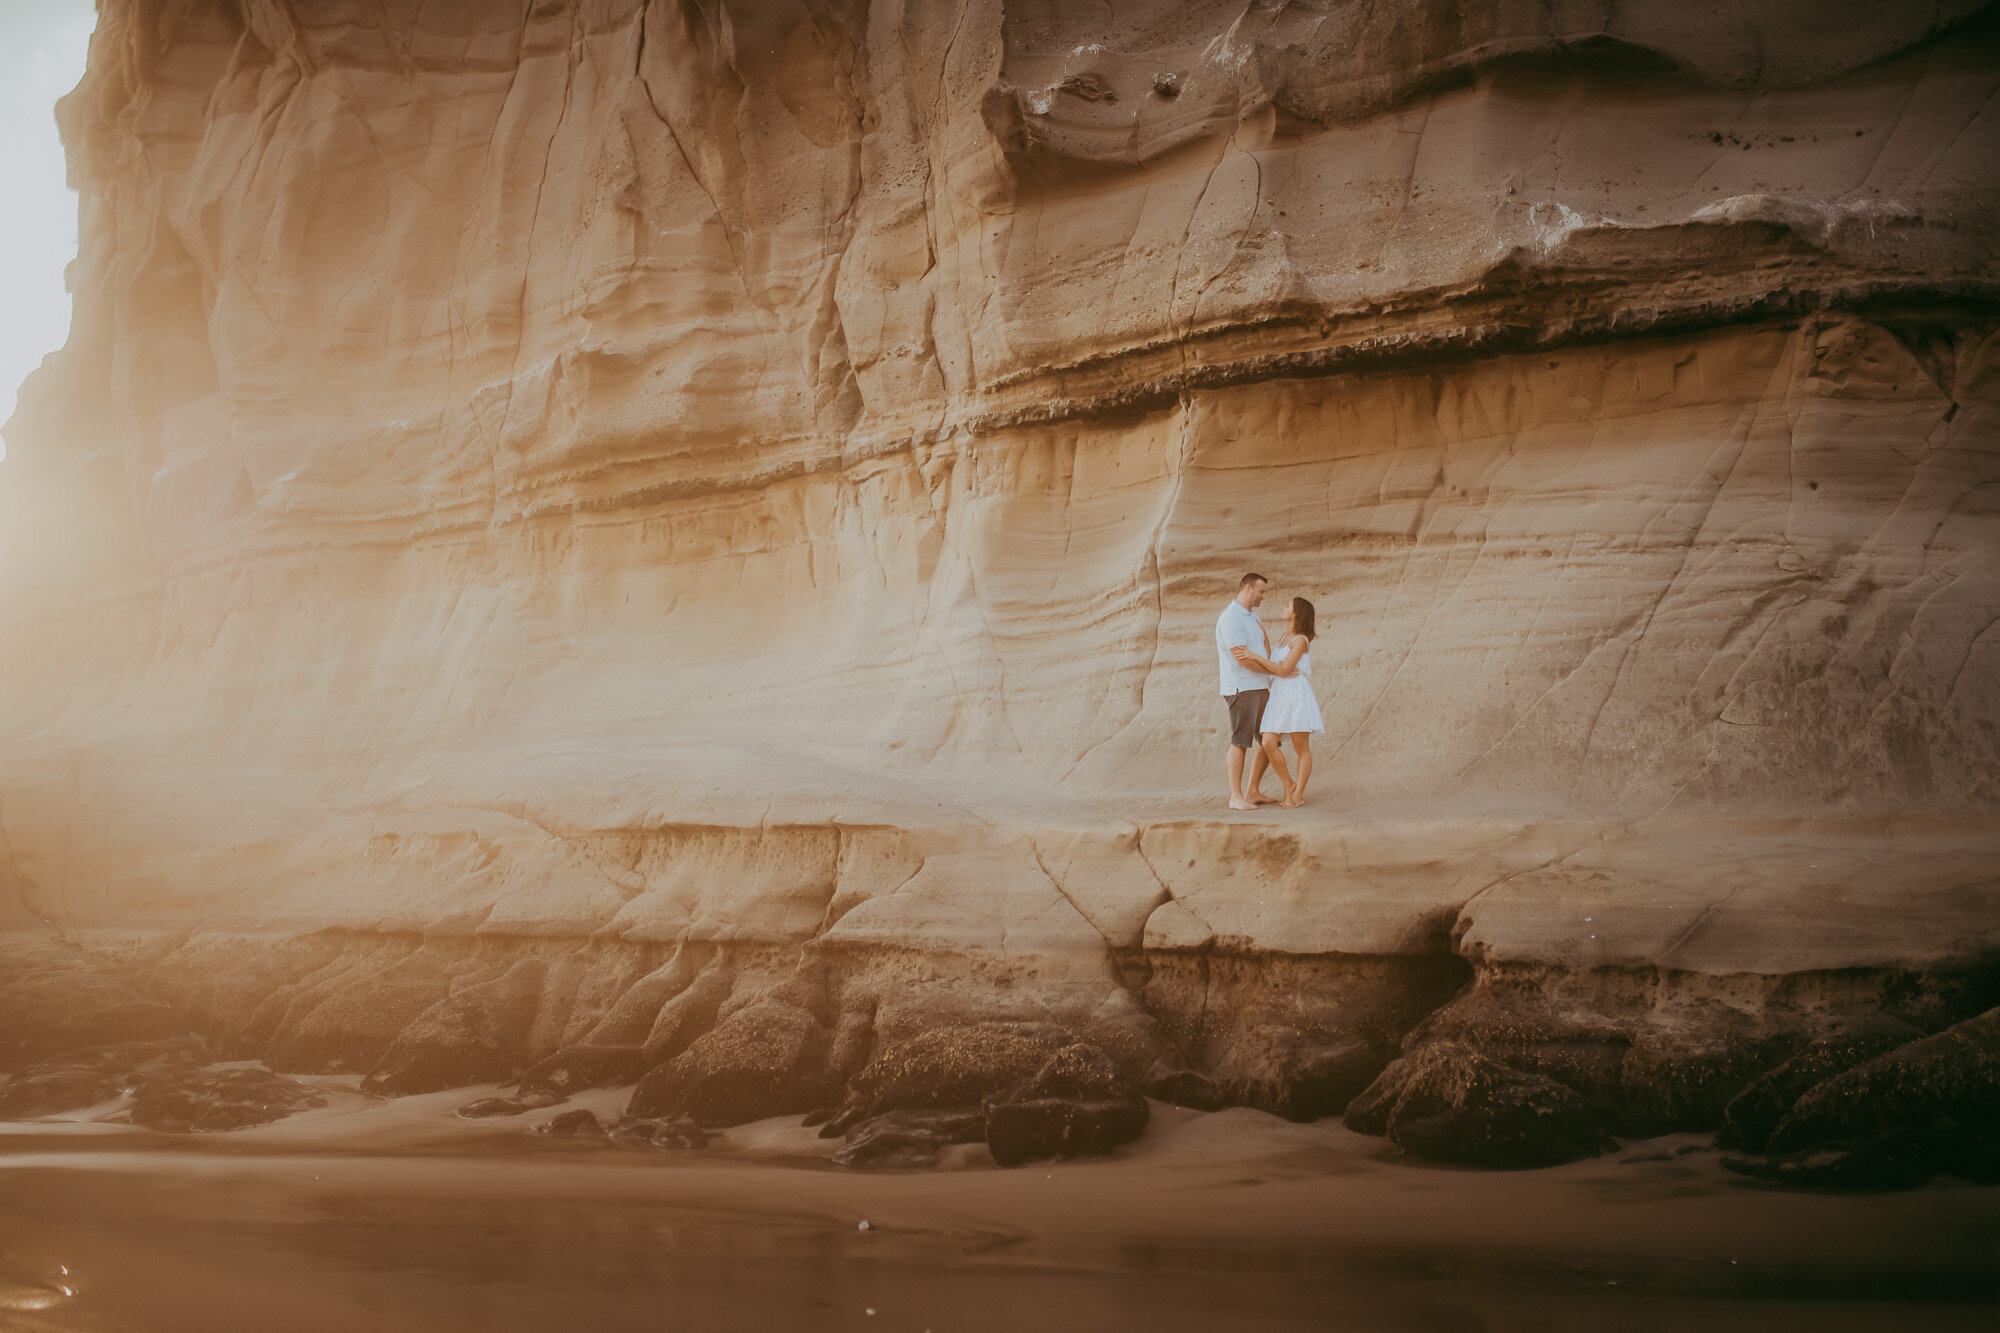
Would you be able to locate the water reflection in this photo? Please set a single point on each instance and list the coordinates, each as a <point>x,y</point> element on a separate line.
<point>194,1240</point>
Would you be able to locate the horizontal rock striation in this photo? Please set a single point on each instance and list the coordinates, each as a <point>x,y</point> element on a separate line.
<point>624,542</point>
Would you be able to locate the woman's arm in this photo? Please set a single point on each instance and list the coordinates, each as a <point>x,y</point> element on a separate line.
<point>1288,666</point>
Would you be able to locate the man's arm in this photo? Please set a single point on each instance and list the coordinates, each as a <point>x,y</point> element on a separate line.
<point>1288,667</point>
<point>1246,656</point>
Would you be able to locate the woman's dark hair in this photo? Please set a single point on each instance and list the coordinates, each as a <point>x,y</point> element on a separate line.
<point>1302,616</point>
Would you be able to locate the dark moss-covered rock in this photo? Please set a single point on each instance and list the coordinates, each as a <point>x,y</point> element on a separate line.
<point>909,1139</point>
<point>575,1068</point>
<point>947,1068</point>
<point>473,1036</point>
<point>1951,1078</point>
<point>1049,1128</point>
<point>41,1091</point>
<point>487,1107</point>
<point>962,1126</point>
<point>1687,1080</point>
<point>1752,1114</point>
<point>1903,1158</point>
<point>1592,1062</point>
<point>766,1059</point>
<point>1078,1103</point>
<point>205,1101</point>
<point>78,1079</point>
<point>1448,1102</point>
<point>889,1147</point>
<point>1078,1070</point>
<point>577,1124</point>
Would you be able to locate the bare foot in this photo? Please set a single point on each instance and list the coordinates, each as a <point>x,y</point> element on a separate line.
<point>1238,803</point>
<point>1258,798</point>
<point>1294,799</point>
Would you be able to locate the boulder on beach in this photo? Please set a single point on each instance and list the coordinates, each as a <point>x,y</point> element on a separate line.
<point>485,1108</point>
<point>948,1067</point>
<point>79,1079</point>
<point>1952,1077</point>
<point>909,1139</point>
<point>1898,1159</point>
<point>1752,1114</point>
<point>579,1123</point>
<point>206,1101</point>
<point>1450,1103</point>
<point>1078,1104</point>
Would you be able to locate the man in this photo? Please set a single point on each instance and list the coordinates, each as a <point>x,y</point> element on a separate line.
<point>1245,688</point>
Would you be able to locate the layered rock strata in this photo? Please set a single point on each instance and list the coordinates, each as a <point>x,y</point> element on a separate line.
<point>621,537</point>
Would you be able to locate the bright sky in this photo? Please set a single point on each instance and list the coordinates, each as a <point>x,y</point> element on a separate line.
<point>42,45</point>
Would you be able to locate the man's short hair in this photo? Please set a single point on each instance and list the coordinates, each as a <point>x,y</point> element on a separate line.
<point>1249,579</point>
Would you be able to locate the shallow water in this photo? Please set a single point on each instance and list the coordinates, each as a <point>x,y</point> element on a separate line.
<point>398,1217</point>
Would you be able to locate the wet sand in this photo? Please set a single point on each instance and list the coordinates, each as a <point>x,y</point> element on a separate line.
<point>398,1216</point>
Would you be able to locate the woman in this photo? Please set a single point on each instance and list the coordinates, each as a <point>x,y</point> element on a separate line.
<point>1292,710</point>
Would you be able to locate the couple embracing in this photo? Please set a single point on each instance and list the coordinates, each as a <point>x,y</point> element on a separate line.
<point>1269,697</point>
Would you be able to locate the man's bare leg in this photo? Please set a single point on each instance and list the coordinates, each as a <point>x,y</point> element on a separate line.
<point>1235,767</point>
<point>1256,796</point>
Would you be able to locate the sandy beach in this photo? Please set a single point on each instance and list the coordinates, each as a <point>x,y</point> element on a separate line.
<point>398,1215</point>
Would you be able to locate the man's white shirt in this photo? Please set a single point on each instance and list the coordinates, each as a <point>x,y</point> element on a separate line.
<point>1236,627</point>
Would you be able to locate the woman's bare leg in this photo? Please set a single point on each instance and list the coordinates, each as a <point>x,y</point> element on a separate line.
<point>1302,746</point>
<point>1277,758</point>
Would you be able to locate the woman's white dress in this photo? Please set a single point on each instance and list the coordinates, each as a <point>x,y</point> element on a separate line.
<point>1291,706</point>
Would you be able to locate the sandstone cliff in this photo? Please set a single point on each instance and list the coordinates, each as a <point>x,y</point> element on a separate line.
<point>619,523</point>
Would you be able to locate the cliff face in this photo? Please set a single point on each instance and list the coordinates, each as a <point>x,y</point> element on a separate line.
<point>650,516</point>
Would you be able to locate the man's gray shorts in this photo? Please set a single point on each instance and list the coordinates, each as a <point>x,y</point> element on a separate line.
<point>1246,711</point>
